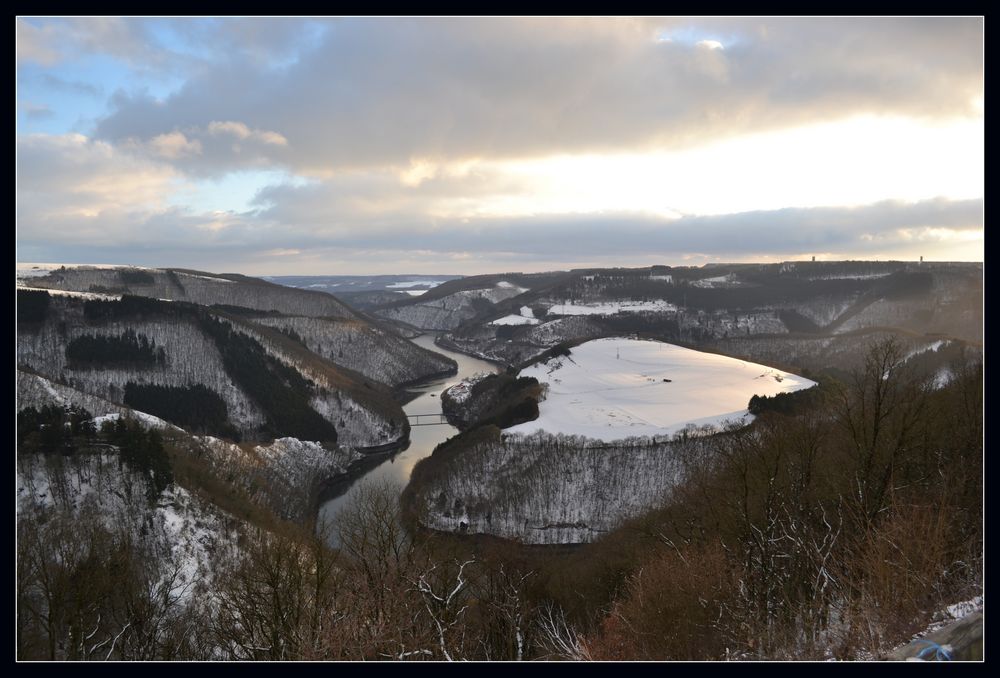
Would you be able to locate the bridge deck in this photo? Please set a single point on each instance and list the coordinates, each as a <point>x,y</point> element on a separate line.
<point>431,419</point>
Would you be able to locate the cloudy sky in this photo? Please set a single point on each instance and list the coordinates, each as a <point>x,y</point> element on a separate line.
<point>301,146</point>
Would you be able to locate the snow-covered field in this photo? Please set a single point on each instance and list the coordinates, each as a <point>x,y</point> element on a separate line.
<point>612,308</point>
<point>526,317</point>
<point>616,388</point>
<point>514,320</point>
<point>27,269</point>
<point>850,276</point>
<point>414,283</point>
<point>721,281</point>
<point>69,293</point>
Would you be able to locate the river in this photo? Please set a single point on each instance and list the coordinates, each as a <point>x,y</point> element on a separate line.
<point>423,439</point>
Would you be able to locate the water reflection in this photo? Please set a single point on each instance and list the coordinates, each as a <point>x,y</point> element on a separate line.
<point>423,439</point>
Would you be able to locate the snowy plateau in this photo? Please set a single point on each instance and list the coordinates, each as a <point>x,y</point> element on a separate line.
<point>616,388</point>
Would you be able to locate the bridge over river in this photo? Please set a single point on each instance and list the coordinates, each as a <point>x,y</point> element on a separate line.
<point>429,428</point>
<point>431,419</point>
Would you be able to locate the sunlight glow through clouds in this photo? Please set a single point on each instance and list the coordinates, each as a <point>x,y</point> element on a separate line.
<point>852,162</point>
<point>466,145</point>
<point>940,235</point>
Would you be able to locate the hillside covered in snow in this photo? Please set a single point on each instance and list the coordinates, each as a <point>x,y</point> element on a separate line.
<point>208,370</point>
<point>314,317</point>
<point>709,306</point>
<point>614,417</point>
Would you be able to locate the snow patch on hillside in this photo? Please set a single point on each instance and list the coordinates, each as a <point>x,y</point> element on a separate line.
<point>30,269</point>
<point>718,282</point>
<point>196,534</point>
<point>943,377</point>
<point>613,308</point>
<point>461,391</point>
<point>206,277</point>
<point>69,293</point>
<point>414,283</point>
<point>186,534</point>
<point>514,320</point>
<point>616,388</point>
<point>449,311</point>
<point>147,420</point>
<point>925,349</point>
<point>286,475</point>
<point>25,271</point>
<point>850,276</point>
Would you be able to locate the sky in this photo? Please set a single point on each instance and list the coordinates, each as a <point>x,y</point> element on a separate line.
<point>281,146</point>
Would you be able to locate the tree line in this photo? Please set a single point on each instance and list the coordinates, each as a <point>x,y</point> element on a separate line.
<point>280,391</point>
<point>833,531</point>
<point>195,406</point>
<point>829,531</point>
<point>128,348</point>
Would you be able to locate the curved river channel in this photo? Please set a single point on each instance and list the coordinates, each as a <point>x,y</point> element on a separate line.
<point>423,439</point>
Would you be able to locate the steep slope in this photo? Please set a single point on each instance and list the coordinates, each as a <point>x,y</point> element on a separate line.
<point>712,305</point>
<point>345,337</point>
<point>369,350</point>
<point>478,297</point>
<point>542,488</point>
<point>94,553</point>
<point>283,477</point>
<point>194,286</point>
<point>252,378</point>
<point>614,416</point>
<point>448,312</point>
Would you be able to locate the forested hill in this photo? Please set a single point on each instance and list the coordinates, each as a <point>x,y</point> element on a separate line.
<point>197,287</point>
<point>315,319</point>
<point>207,370</point>
<point>809,310</point>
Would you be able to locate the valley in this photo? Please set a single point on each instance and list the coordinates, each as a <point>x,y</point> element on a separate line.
<point>499,338</point>
<point>581,406</point>
<point>291,361</point>
<point>395,470</point>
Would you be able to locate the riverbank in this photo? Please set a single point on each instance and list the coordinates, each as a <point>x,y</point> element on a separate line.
<point>395,465</point>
